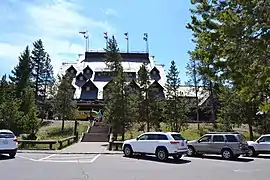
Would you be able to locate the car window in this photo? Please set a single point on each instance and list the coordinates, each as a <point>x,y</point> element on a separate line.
<point>218,138</point>
<point>265,139</point>
<point>6,135</point>
<point>231,138</point>
<point>205,138</point>
<point>142,137</point>
<point>177,137</point>
<point>161,137</point>
<point>150,136</point>
<point>241,138</point>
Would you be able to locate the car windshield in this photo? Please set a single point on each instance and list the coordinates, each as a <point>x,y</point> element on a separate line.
<point>6,135</point>
<point>241,138</point>
<point>177,137</point>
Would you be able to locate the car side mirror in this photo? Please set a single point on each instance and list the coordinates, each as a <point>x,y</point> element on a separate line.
<point>137,139</point>
<point>198,141</point>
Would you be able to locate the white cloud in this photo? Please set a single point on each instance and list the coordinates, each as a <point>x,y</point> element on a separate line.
<point>58,25</point>
<point>111,12</point>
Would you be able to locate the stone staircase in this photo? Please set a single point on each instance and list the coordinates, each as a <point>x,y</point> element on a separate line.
<point>98,133</point>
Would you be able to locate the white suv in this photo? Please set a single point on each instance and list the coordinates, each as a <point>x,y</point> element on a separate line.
<point>160,144</point>
<point>8,143</point>
<point>260,146</point>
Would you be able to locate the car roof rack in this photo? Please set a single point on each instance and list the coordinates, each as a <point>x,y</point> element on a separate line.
<point>223,133</point>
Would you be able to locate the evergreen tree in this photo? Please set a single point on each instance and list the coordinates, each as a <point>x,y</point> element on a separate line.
<point>9,107</point>
<point>22,73</point>
<point>116,101</point>
<point>63,102</point>
<point>232,39</point>
<point>176,106</point>
<point>144,103</point>
<point>42,71</point>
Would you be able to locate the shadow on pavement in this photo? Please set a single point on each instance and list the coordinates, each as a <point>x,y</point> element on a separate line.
<point>240,159</point>
<point>4,157</point>
<point>153,158</point>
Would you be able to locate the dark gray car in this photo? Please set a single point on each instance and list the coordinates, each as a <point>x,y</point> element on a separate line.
<point>228,144</point>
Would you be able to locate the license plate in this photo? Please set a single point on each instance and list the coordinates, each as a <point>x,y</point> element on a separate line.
<point>5,142</point>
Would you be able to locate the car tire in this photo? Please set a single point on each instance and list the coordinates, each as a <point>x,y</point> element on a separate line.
<point>162,154</point>
<point>227,154</point>
<point>177,157</point>
<point>191,151</point>
<point>12,154</point>
<point>251,152</point>
<point>128,152</point>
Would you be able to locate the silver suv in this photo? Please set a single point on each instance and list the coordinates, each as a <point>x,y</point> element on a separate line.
<point>229,144</point>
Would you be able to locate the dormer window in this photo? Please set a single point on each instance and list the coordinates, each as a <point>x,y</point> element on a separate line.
<point>154,72</point>
<point>72,71</point>
<point>88,71</point>
<point>81,78</point>
<point>87,88</point>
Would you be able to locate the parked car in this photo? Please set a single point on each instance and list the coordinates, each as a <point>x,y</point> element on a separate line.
<point>260,146</point>
<point>8,143</point>
<point>229,144</point>
<point>161,144</point>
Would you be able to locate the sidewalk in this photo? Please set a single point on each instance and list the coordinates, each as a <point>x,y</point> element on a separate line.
<point>78,148</point>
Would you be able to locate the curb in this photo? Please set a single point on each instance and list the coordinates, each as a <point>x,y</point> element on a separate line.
<point>53,152</point>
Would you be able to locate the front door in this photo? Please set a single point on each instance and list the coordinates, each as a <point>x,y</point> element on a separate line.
<point>264,144</point>
<point>204,144</point>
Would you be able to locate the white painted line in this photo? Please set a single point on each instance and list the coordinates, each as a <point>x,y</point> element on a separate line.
<point>57,161</point>
<point>95,158</point>
<point>74,157</point>
<point>47,157</point>
<point>27,158</point>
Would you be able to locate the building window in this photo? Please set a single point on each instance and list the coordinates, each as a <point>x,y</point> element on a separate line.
<point>154,73</point>
<point>87,88</point>
<point>72,71</point>
<point>81,78</point>
<point>87,71</point>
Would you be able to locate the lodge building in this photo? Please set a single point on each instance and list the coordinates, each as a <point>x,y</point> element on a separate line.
<point>91,77</point>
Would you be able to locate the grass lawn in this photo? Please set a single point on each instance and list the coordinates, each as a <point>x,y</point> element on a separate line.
<point>51,130</point>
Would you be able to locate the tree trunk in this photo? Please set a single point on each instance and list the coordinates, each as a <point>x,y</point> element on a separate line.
<point>63,125</point>
<point>251,136</point>
<point>147,126</point>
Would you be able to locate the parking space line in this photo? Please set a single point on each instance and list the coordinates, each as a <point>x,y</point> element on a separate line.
<point>58,161</point>
<point>74,157</point>
<point>95,158</point>
<point>47,157</point>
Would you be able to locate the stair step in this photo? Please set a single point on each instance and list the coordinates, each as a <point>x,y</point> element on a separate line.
<point>95,137</point>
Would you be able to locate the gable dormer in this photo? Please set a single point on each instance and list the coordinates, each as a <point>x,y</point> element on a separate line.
<point>72,71</point>
<point>89,91</point>
<point>156,90</point>
<point>80,79</point>
<point>155,74</point>
<point>87,72</point>
<point>133,86</point>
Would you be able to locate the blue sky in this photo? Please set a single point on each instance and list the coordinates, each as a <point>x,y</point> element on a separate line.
<point>57,23</point>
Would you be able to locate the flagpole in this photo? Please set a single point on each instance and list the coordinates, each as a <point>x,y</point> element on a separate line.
<point>147,46</point>
<point>128,45</point>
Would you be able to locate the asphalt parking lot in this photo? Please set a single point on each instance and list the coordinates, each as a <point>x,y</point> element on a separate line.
<point>114,167</point>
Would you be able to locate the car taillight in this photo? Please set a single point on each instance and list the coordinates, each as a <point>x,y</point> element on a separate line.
<point>15,140</point>
<point>174,142</point>
<point>240,146</point>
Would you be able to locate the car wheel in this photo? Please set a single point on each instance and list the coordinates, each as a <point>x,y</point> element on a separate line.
<point>251,152</point>
<point>227,154</point>
<point>191,151</point>
<point>128,151</point>
<point>162,154</point>
<point>12,155</point>
<point>176,157</point>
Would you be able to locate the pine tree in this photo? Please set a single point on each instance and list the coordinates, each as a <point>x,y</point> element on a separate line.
<point>115,104</point>
<point>176,105</point>
<point>63,102</point>
<point>144,103</point>
<point>42,71</point>
<point>22,73</point>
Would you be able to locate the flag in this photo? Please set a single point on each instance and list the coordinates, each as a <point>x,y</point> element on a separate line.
<point>106,35</point>
<point>145,36</point>
<point>82,32</point>
<point>126,34</point>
